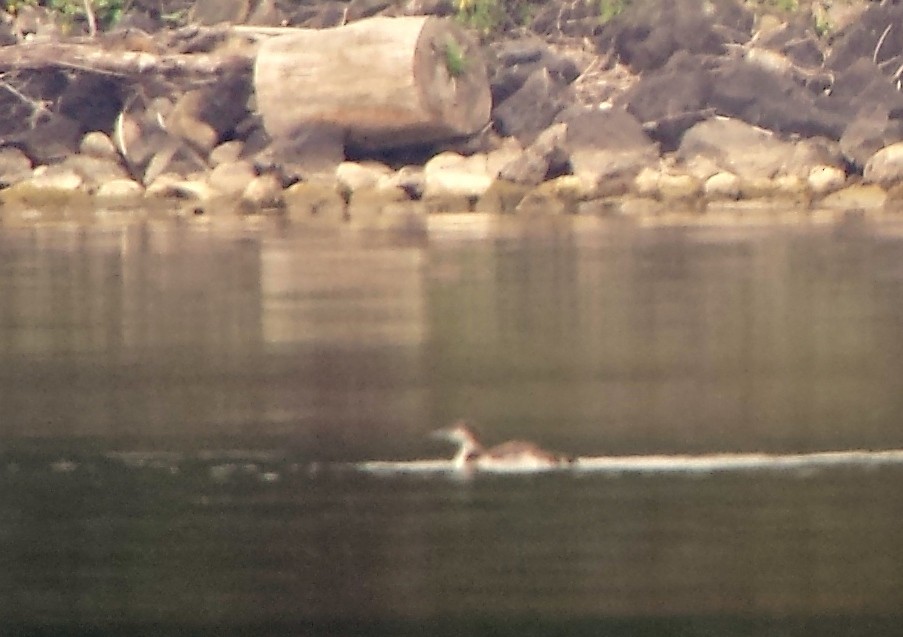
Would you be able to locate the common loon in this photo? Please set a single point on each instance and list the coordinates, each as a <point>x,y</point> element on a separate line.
<point>515,454</point>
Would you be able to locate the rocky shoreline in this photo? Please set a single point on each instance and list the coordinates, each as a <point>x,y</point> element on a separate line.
<point>668,105</point>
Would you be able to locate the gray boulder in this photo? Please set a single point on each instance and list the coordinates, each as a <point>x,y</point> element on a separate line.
<point>95,170</point>
<point>512,62</point>
<point>860,39</point>
<point>231,178</point>
<point>872,107</point>
<point>772,99</point>
<point>98,144</point>
<point>316,150</point>
<point>92,100</point>
<point>671,99</point>
<point>14,166</point>
<point>49,141</point>
<point>532,108</point>
<point>648,32</point>
<point>885,167</point>
<point>752,153</point>
<point>871,130</point>
<point>542,158</point>
<point>605,145</point>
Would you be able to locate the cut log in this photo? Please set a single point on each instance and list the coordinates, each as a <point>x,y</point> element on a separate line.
<point>387,82</point>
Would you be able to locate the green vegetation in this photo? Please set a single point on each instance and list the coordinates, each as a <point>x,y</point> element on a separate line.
<point>787,6</point>
<point>106,12</point>
<point>495,16</point>
<point>609,9</point>
<point>821,21</point>
<point>455,58</point>
<point>485,16</point>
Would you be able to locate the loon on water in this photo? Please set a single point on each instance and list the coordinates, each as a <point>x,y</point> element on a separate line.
<point>513,454</point>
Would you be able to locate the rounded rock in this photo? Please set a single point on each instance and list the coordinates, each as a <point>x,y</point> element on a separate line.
<point>98,144</point>
<point>226,152</point>
<point>168,186</point>
<point>861,196</point>
<point>450,175</point>
<point>352,176</point>
<point>231,178</point>
<point>264,191</point>
<point>722,185</point>
<point>120,190</point>
<point>307,200</point>
<point>789,186</point>
<point>885,167</point>
<point>95,170</point>
<point>65,180</point>
<point>646,183</point>
<point>47,188</point>
<point>14,165</point>
<point>678,187</point>
<point>823,180</point>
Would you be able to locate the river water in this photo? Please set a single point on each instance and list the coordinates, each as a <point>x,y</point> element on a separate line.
<point>184,405</point>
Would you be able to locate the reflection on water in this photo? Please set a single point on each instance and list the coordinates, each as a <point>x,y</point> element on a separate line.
<point>176,401</point>
<point>330,294</point>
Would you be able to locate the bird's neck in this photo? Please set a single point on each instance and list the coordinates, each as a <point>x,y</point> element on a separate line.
<point>467,451</point>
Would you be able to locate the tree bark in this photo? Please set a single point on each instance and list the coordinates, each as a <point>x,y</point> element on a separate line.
<point>387,82</point>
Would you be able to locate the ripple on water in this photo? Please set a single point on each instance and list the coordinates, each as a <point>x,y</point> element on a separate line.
<point>234,466</point>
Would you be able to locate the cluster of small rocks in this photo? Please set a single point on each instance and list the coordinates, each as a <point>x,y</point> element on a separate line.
<point>672,105</point>
<point>597,161</point>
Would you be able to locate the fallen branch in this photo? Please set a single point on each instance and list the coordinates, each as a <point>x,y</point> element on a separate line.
<point>91,58</point>
<point>253,30</point>
<point>38,107</point>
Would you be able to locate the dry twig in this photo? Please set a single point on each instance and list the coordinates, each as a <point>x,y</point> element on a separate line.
<point>92,21</point>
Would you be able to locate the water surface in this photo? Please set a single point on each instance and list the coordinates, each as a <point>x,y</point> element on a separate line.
<point>181,405</point>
